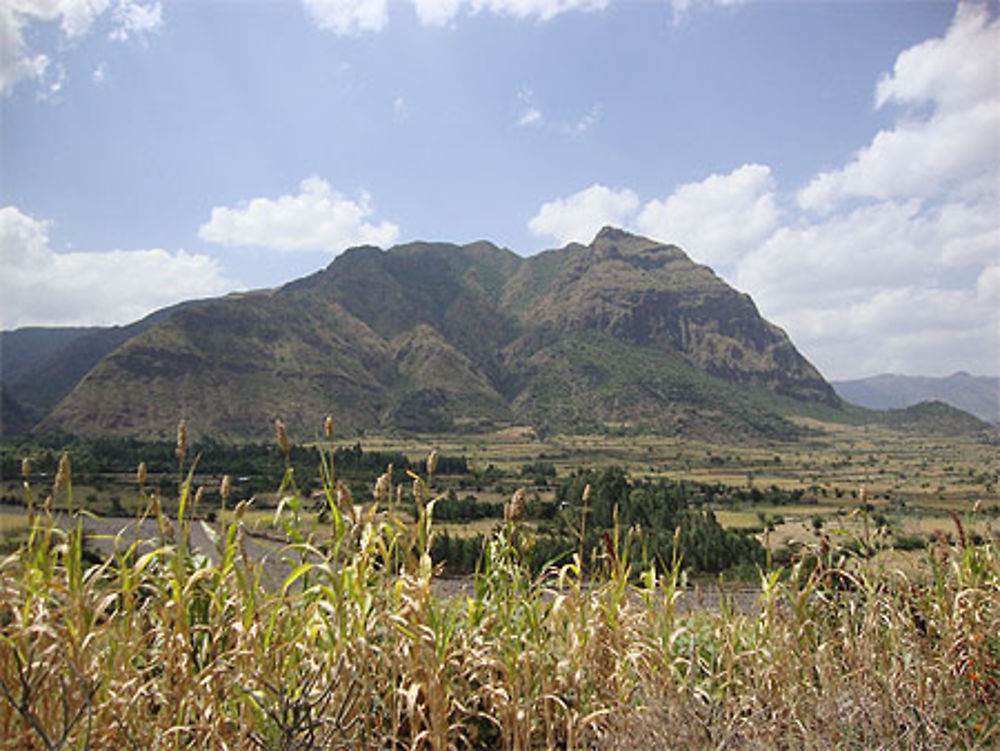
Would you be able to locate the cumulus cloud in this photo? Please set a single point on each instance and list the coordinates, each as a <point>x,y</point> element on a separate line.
<point>438,12</point>
<point>75,18</point>
<point>316,218</point>
<point>889,262</point>
<point>349,16</point>
<point>719,219</point>
<point>577,218</point>
<point>42,287</point>
<point>957,144</point>
<point>869,248</point>
<point>17,62</point>
<point>898,247</point>
<point>905,329</point>
<point>136,20</point>
<point>542,10</point>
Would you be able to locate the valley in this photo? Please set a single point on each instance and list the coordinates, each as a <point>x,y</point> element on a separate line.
<point>792,492</point>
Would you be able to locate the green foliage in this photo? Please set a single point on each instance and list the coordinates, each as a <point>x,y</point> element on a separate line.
<point>665,524</point>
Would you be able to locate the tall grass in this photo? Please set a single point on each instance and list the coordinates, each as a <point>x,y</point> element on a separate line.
<point>338,639</point>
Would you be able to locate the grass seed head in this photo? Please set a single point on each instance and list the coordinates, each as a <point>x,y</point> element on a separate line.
<point>328,426</point>
<point>25,468</point>
<point>140,474</point>
<point>344,500</point>
<point>225,487</point>
<point>381,491</point>
<point>64,472</point>
<point>586,493</point>
<point>182,439</point>
<point>518,504</point>
<point>432,462</point>
<point>282,434</point>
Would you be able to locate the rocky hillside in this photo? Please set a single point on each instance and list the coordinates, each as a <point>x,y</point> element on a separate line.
<point>624,333</point>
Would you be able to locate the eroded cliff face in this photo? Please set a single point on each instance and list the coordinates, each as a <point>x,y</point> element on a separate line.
<point>654,296</point>
<point>438,337</point>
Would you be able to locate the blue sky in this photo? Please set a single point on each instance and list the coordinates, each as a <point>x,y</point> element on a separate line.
<point>839,161</point>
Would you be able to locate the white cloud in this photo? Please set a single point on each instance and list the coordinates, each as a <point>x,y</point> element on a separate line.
<point>16,61</point>
<point>956,71</point>
<point>867,249</point>
<point>437,12</point>
<point>134,19</point>
<point>542,10</point>
<point>719,219</point>
<point>355,16</point>
<point>100,73</point>
<point>681,8</point>
<point>530,117</point>
<point>900,270</point>
<point>956,145</point>
<point>988,286</point>
<point>316,218</point>
<point>349,16</point>
<point>42,287</point>
<point>577,218</point>
<point>578,128</point>
<point>904,329</point>
<point>76,18</point>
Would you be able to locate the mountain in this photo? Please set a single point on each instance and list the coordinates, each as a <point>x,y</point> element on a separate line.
<point>623,333</point>
<point>41,365</point>
<point>977,395</point>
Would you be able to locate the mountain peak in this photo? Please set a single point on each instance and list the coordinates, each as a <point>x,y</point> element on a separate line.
<point>608,232</point>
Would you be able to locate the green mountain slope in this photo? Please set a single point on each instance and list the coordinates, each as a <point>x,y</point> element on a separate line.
<point>936,417</point>
<point>624,333</point>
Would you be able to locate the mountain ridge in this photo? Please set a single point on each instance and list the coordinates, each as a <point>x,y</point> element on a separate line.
<point>977,395</point>
<point>438,336</point>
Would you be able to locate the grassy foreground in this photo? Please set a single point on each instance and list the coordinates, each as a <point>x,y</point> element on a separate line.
<point>339,641</point>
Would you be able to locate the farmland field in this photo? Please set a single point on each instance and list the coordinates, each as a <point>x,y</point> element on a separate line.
<point>298,602</point>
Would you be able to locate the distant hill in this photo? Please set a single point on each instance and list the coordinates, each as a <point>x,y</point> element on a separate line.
<point>978,395</point>
<point>936,417</point>
<point>23,349</point>
<point>624,334</point>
